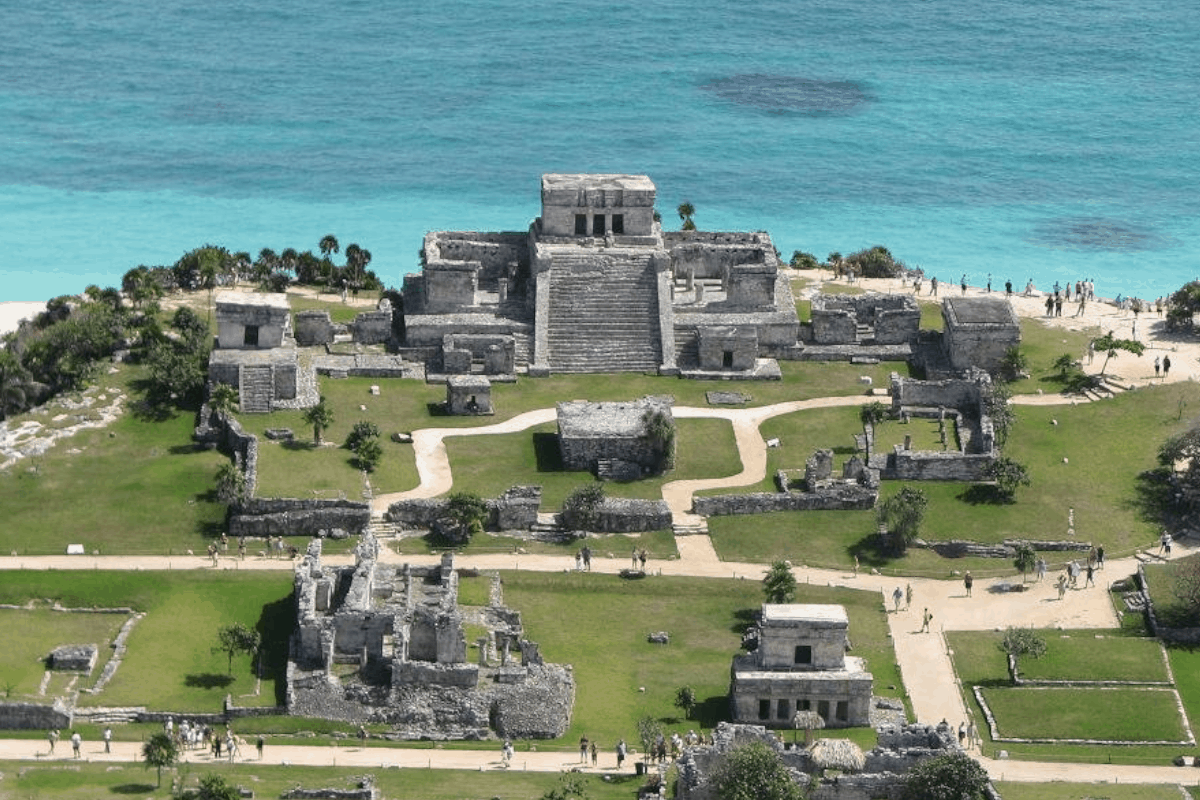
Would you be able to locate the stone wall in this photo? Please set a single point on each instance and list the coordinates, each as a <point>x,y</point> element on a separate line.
<point>262,517</point>
<point>372,327</point>
<point>35,716</point>
<point>963,395</point>
<point>740,342</point>
<point>839,497</point>
<point>617,515</point>
<point>927,465</point>
<point>312,328</point>
<point>516,509</point>
<point>495,253</point>
<point>228,434</point>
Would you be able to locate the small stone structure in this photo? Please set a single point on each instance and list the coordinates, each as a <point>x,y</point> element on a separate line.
<point>387,644</point>
<point>73,658</point>
<point>801,665</point>
<point>899,749</point>
<point>869,319</point>
<point>255,352</point>
<point>612,438</point>
<point>313,328</point>
<point>469,395</point>
<point>979,331</point>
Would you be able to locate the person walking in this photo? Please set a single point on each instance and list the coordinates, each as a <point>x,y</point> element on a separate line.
<point>1157,366</point>
<point>1091,576</point>
<point>907,596</point>
<point>897,596</point>
<point>595,755</point>
<point>1062,586</point>
<point>1040,566</point>
<point>926,618</point>
<point>52,737</point>
<point>258,745</point>
<point>1166,366</point>
<point>583,750</point>
<point>76,743</point>
<point>1100,557</point>
<point>622,749</point>
<point>107,739</point>
<point>968,582</point>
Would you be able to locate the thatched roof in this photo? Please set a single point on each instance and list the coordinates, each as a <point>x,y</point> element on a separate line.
<point>840,754</point>
<point>808,721</point>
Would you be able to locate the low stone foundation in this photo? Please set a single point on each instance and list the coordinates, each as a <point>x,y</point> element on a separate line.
<point>842,497</point>
<point>263,517</point>
<point>35,716</point>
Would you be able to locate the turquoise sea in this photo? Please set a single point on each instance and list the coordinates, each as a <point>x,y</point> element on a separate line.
<point>1021,138</point>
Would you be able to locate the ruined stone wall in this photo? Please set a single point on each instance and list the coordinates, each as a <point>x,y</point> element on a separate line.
<point>262,517</point>
<point>839,497</point>
<point>834,326</point>
<point>516,509</point>
<point>313,328</point>
<point>899,326</point>
<point>741,342</point>
<point>925,465</point>
<point>583,452</point>
<point>449,287</point>
<point>35,716</point>
<point>372,327</point>
<point>963,395</point>
<point>495,253</point>
<point>227,433</point>
<point>751,286</point>
<point>617,515</point>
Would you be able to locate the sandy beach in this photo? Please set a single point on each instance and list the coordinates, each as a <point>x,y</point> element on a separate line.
<point>12,312</point>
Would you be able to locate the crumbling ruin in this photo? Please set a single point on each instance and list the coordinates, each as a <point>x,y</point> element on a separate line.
<point>255,352</point>
<point>879,774</point>
<point>617,440</point>
<point>388,644</point>
<point>800,664</point>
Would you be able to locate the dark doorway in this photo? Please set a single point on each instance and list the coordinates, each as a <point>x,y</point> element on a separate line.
<point>251,337</point>
<point>727,360</point>
<point>581,224</point>
<point>618,224</point>
<point>598,225</point>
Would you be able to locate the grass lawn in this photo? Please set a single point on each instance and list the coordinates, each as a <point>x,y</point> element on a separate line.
<point>169,664</point>
<point>1106,444</point>
<point>1161,580</point>
<point>605,640</point>
<point>65,781</point>
<point>1010,790</point>
<point>924,433</point>
<point>136,486</point>
<point>1081,655</point>
<point>30,635</point>
<point>1109,714</point>
<point>487,465</point>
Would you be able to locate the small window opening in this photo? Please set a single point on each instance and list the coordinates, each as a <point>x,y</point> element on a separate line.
<point>598,225</point>
<point>727,360</point>
<point>783,709</point>
<point>764,709</point>
<point>250,338</point>
<point>618,224</point>
<point>803,654</point>
<point>843,711</point>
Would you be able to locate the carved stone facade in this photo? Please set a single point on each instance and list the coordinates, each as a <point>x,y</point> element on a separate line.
<point>801,665</point>
<point>387,644</point>
<point>255,352</point>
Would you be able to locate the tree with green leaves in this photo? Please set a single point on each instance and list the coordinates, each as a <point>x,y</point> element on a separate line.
<point>1179,459</point>
<point>660,432</point>
<point>872,413</point>
<point>779,584</point>
<point>160,752</point>
<point>1111,346</point>
<point>467,511</point>
<point>215,787</point>
<point>1182,308</point>
<point>231,484</point>
<point>802,260</point>
<point>954,776</point>
<point>1008,474</point>
<point>237,638</point>
<point>1025,560</point>
<point>320,417</point>
<point>686,211</point>
<point>1014,363</point>
<point>650,730</point>
<point>363,429</point>
<point>997,402</point>
<point>581,508</point>
<point>368,452</point>
<point>570,787</point>
<point>223,399</point>
<point>755,771</point>
<point>901,516</point>
<point>357,259</point>
<point>685,700</point>
<point>1020,643</point>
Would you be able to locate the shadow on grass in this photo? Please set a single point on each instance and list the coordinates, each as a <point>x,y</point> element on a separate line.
<point>437,409</point>
<point>982,494</point>
<point>711,710</point>
<point>872,551</point>
<point>207,680</point>
<point>275,625</point>
<point>1153,495</point>
<point>132,788</point>
<point>297,444</point>
<point>744,620</point>
<point>545,448</point>
<point>185,449</point>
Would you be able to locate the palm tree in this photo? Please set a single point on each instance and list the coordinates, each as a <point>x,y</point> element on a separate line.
<point>686,211</point>
<point>320,417</point>
<point>160,751</point>
<point>357,259</point>
<point>223,400</point>
<point>265,265</point>
<point>329,244</point>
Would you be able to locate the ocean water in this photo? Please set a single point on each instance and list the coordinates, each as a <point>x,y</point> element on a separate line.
<point>1016,138</point>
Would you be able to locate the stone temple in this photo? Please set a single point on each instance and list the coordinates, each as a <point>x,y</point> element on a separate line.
<point>596,285</point>
<point>801,665</point>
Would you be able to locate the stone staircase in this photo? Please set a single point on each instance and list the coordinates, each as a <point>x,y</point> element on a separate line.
<point>603,315</point>
<point>690,529</point>
<point>256,388</point>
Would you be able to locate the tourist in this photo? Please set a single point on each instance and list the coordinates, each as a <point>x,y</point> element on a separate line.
<point>933,284</point>
<point>856,565</point>
<point>1062,585</point>
<point>76,743</point>
<point>963,283</point>
<point>1166,366</point>
<point>642,558</point>
<point>53,738</point>
<point>634,558</point>
<point>897,596</point>
<point>1100,557</point>
<point>1008,287</point>
<point>973,739</point>
<point>907,596</point>
<point>1157,365</point>
<point>579,561</point>
<point>962,733</point>
<point>926,618</point>
<point>1049,305</point>
<point>362,735</point>
<point>587,558</point>
<point>1091,576</point>
<point>583,750</point>
<point>594,755</point>
<point>258,745</point>
<point>1040,566</point>
<point>968,582</point>
<point>506,752</point>
<point>622,749</point>
<point>107,739</point>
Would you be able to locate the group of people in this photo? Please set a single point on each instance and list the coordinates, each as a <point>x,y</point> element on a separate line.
<point>77,741</point>
<point>583,559</point>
